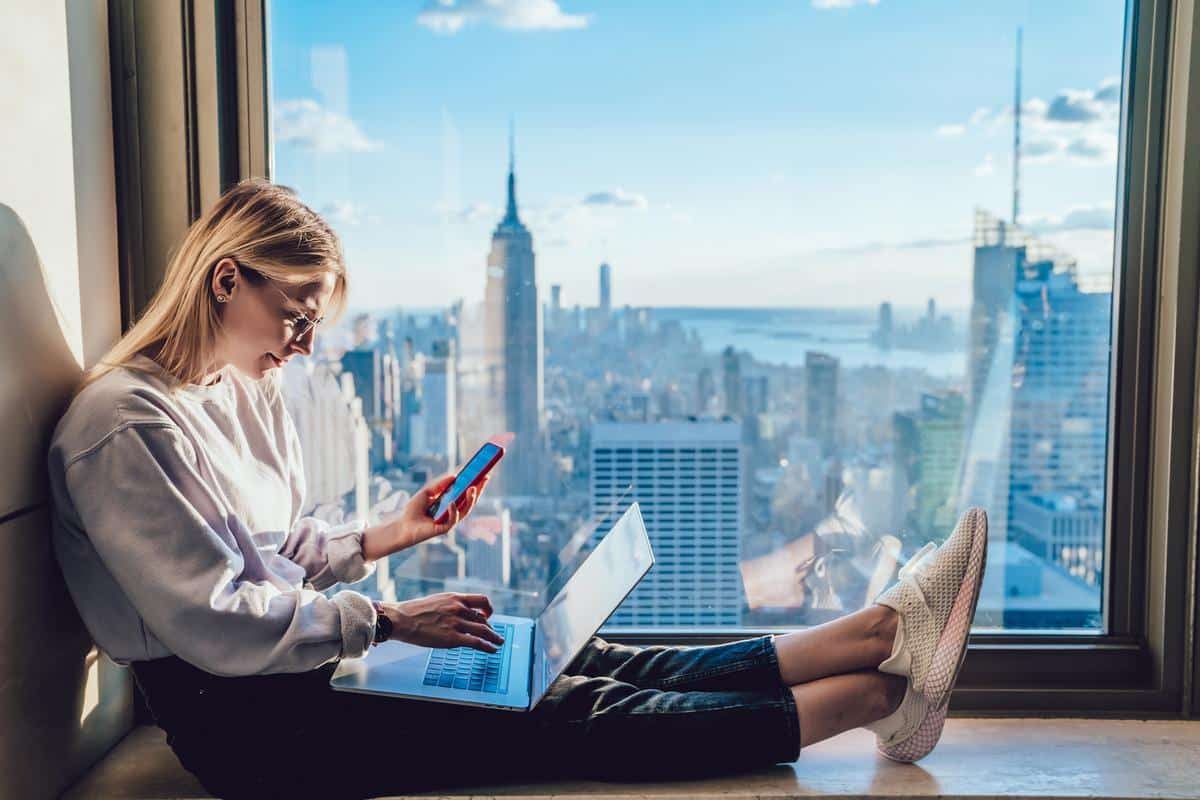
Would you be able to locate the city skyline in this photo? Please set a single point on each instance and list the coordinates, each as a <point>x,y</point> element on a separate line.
<point>788,456</point>
<point>769,190</point>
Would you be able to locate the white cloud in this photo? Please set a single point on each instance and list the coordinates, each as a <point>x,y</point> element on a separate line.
<point>343,212</point>
<point>1076,126</point>
<point>1093,148</point>
<point>980,116</point>
<point>1072,105</point>
<point>1109,90</point>
<point>1041,149</point>
<point>618,198</point>
<point>306,124</point>
<point>951,130</point>
<point>1079,218</point>
<point>448,17</point>
<point>827,4</point>
<point>985,167</point>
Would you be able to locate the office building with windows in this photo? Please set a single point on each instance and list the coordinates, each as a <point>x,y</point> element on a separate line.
<point>687,478</point>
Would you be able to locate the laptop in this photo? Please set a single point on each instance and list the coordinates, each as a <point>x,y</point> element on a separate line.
<point>535,651</point>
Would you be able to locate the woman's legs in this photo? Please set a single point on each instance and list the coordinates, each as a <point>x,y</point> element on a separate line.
<point>862,640</point>
<point>830,669</point>
<point>833,705</point>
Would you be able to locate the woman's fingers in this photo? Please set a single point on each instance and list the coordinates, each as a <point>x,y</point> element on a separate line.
<point>474,642</point>
<point>433,490</point>
<point>479,601</point>
<point>483,631</point>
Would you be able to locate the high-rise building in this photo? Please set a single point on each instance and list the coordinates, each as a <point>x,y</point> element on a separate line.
<point>513,348</point>
<point>927,456</point>
<point>375,374</point>
<point>411,425</point>
<point>605,290</point>
<point>887,326</point>
<point>706,391</point>
<point>687,478</point>
<point>1063,529</point>
<point>439,396</point>
<point>731,364</point>
<point>556,309</point>
<point>334,439</point>
<point>754,394</point>
<point>820,399</point>
<point>1038,418</point>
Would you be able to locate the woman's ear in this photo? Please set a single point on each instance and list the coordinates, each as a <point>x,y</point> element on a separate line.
<point>224,278</point>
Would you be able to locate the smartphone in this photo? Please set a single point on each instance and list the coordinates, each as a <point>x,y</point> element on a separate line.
<point>470,475</point>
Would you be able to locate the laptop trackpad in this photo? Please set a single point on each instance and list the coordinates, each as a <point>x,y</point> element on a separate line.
<point>391,665</point>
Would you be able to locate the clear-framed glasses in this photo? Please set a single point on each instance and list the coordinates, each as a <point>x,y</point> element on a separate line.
<point>300,322</point>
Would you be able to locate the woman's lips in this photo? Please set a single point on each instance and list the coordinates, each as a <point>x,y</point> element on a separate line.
<point>275,359</point>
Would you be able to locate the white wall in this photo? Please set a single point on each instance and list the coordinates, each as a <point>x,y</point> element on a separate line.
<point>60,706</point>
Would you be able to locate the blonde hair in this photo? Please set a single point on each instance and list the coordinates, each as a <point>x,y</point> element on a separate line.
<point>270,234</point>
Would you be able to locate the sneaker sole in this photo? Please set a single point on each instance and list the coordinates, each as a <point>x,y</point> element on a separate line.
<point>951,649</point>
<point>922,741</point>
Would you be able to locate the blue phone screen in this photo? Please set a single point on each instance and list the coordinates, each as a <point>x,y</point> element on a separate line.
<point>465,478</point>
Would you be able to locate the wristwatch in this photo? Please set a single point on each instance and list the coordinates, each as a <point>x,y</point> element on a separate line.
<point>383,624</point>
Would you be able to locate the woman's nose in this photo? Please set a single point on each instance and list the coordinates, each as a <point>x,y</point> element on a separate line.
<point>303,344</point>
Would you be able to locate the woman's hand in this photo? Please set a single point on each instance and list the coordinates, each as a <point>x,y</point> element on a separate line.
<point>448,619</point>
<point>413,524</point>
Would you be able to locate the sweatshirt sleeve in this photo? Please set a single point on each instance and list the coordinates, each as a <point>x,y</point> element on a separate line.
<point>329,554</point>
<point>189,566</point>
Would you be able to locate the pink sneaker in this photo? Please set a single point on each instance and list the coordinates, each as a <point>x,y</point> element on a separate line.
<point>936,599</point>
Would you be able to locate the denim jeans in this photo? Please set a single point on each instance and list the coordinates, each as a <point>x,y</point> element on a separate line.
<point>618,713</point>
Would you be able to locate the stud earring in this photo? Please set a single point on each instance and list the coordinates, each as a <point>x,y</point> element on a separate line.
<point>221,298</point>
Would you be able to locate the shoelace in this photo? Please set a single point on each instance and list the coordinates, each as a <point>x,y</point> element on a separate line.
<point>914,567</point>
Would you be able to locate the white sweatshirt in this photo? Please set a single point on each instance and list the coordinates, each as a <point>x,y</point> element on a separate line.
<point>177,526</point>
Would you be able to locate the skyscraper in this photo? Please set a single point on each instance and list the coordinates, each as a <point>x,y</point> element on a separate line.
<point>605,290</point>
<point>440,402</point>
<point>513,347</point>
<point>820,399</point>
<point>687,477</point>
<point>555,321</point>
<point>927,453</point>
<point>887,324</point>
<point>706,391</point>
<point>1037,431</point>
<point>375,374</point>
<point>732,367</point>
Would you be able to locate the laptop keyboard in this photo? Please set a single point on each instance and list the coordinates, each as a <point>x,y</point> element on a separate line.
<point>468,668</point>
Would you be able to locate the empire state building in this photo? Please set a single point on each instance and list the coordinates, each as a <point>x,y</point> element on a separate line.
<point>513,348</point>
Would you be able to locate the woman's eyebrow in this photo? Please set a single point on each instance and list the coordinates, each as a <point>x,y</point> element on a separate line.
<point>302,310</point>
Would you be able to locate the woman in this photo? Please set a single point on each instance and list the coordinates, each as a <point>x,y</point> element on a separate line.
<point>178,484</point>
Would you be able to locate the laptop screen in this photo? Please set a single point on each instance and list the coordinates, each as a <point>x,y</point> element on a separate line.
<point>607,575</point>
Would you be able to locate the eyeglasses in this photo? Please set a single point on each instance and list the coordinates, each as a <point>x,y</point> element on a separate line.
<point>301,323</point>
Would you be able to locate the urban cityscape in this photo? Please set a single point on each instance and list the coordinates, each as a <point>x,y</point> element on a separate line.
<point>775,494</point>
<point>787,459</point>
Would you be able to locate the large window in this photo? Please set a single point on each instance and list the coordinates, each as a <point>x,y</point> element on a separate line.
<point>804,280</point>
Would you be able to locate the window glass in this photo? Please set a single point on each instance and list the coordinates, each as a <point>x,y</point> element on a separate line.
<point>804,279</point>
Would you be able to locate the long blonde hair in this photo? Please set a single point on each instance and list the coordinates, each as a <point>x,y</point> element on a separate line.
<point>270,233</point>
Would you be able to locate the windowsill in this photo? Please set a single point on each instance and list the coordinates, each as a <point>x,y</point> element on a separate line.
<point>1021,758</point>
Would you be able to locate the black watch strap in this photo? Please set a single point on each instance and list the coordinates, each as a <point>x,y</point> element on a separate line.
<point>383,624</point>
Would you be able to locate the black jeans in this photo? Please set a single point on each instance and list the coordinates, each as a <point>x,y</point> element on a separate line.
<point>619,713</point>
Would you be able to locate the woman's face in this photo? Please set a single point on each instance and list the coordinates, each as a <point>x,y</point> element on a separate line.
<point>263,327</point>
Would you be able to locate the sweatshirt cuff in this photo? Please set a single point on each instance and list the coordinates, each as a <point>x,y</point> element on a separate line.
<point>343,548</point>
<point>358,622</point>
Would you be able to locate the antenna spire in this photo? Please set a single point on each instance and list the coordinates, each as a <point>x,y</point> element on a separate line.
<point>1016,187</point>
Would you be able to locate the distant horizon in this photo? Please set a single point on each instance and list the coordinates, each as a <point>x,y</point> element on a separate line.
<point>917,309</point>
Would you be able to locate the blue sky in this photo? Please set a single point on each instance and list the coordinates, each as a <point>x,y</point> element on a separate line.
<point>787,152</point>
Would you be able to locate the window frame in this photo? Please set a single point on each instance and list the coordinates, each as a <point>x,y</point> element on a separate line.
<point>1148,662</point>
